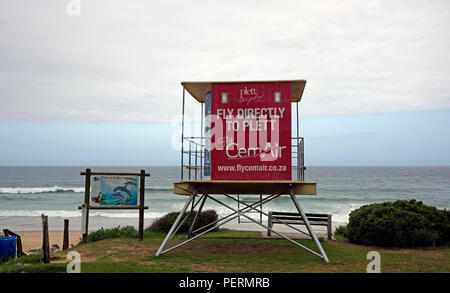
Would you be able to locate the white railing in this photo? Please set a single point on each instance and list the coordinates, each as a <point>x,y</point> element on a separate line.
<point>193,158</point>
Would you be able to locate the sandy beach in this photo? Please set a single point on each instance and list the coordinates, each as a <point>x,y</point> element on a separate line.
<point>32,240</point>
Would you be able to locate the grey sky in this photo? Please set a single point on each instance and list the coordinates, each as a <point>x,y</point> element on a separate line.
<point>122,61</point>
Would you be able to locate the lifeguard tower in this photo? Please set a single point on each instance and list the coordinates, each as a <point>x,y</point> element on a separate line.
<point>247,147</point>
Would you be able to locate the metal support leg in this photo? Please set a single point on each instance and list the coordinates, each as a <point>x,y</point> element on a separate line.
<point>269,224</point>
<point>203,199</point>
<point>174,226</point>
<point>264,226</point>
<point>269,216</point>
<point>223,222</point>
<point>308,226</point>
<point>265,200</point>
<point>235,214</point>
<point>194,204</point>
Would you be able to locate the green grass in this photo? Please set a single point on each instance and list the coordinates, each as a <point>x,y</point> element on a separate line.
<point>233,251</point>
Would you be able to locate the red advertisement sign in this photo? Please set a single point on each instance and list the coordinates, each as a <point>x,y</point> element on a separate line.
<point>251,131</point>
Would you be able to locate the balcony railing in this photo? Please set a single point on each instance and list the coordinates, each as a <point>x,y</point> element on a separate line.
<point>193,158</point>
<point>298,158</point>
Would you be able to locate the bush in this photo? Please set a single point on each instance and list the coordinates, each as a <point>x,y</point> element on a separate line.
<point>164,223</point>
<point>399,224</point>
<point>118,232</point>
<point>341,231</point>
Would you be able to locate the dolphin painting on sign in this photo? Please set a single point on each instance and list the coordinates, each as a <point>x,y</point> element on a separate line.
<point>115,190</point>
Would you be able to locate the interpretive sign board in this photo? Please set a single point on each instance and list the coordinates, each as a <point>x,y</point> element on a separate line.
<point>115,190</point>
<point>250,132</point>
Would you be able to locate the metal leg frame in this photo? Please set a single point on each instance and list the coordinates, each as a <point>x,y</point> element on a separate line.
<point>264,226</point>
<point>187,216</point>
<point>202,200</point>
<point>308,226</point>
<point>175,227</point>
<point>269,216</point>
<point>234,215</point>
<point>224,220</point>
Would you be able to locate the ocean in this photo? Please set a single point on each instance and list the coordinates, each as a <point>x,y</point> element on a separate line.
<point>28,192</point>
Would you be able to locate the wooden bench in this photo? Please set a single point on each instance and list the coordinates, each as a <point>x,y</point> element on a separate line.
<point>296,219</point>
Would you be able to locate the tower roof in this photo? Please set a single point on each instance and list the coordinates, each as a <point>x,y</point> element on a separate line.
<point>198,89</point>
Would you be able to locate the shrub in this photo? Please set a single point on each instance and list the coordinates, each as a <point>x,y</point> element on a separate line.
<point>164,223</point>
<point>341,231</point>
<point>118,232</point>
<point>399,224</point>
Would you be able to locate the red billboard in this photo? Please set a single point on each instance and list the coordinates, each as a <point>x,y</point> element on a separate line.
<point>251,131</point>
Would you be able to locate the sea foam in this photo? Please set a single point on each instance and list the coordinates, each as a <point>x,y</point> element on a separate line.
<point>31,190</point>
<point>75,214</point>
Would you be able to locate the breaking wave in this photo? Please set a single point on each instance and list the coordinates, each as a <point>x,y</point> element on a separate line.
<point>55,189</point>
<point>75,214</point>
<point>32,190</point>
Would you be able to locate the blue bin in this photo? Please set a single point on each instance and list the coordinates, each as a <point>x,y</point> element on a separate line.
<point>7,247</point>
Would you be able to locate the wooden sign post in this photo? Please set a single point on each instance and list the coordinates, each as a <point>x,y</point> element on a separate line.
<point>141,204</point>
<point>45,257</point>
<point>87,194</point>
<point>66,234</point>
<point>87,199</point>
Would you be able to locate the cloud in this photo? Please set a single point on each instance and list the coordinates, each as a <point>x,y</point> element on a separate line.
<point>123,62</point>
